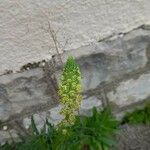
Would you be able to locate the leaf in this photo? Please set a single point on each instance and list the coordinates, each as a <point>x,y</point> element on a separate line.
<point>34,128</point>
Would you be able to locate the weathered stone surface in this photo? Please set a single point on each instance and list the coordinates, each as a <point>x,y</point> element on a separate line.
<point>88,103</point>
<point>5,105</point>
<point>53,115</point>
<point>6,136</point>
<point>27,122</point>
<point>99,63</point>
<point>123,59</point>
<point>131,91</point>
<point>40,118</point>
<point>134,138</point>
<point>112,58</point>
<point>22,91</point>
<point>23,39</point>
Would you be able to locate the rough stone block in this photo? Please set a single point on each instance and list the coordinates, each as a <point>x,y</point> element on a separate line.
<point>22,91</point>
<point>131,91</point>
<point>6,136</point>
<point>88,103</point>
<point>111,58</point>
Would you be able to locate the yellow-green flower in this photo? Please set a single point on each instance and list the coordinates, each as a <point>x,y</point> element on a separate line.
<point>70,91</point>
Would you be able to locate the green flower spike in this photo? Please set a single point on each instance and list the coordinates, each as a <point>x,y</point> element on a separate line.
<point>70,91</point>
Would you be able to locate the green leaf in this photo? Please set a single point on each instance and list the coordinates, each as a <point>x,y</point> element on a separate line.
<point>34,128</point>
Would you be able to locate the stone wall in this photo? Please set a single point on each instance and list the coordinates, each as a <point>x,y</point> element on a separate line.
<point>115,71</point>
<point>109,39</point>
<point>118,65</point>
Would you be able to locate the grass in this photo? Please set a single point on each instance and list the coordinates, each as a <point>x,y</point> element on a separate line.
<point>95,132</point>
<point>138,116</point>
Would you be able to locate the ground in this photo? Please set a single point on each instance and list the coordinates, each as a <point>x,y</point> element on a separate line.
<point>135,137</point>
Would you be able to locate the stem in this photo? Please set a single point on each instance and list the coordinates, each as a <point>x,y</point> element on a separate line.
<point>85,147</point>
<point>102,146</point>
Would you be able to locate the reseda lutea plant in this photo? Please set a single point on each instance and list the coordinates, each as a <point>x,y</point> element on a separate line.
<point>70,91</point>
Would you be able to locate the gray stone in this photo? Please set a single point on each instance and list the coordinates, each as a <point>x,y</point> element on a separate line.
<point>55,116</point>
<point>22,91</point>
<point>131,91</point>
<point>111,58</point>
<point>135,137</point>
<point>8,136</point>
<point>27,122</point>
<point>40,120</point>
<point>5,104</point>
<point>87,105</point>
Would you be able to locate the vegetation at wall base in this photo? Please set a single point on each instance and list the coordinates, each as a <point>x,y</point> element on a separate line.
<point>138,116</point>
<point>95,132</point>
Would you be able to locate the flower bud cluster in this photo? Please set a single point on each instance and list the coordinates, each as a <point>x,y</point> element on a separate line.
<point>70,91</point>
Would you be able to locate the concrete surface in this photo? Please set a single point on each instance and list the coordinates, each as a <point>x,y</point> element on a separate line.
<point>23,25</point>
